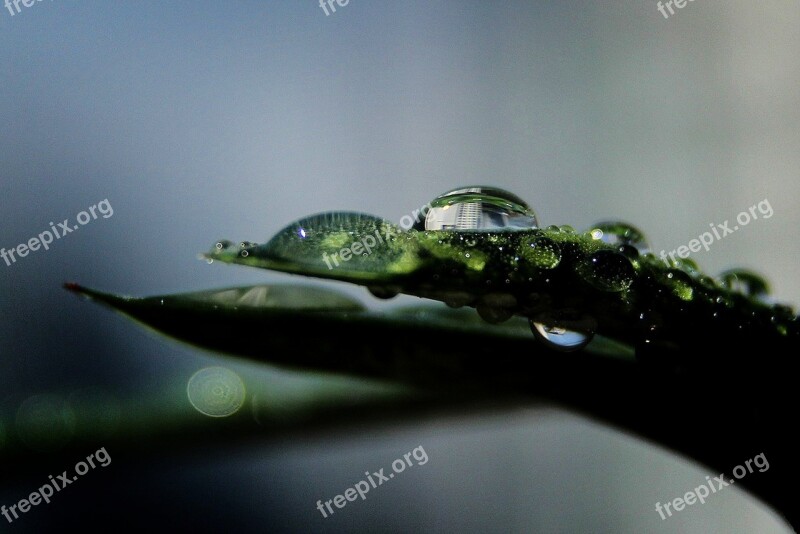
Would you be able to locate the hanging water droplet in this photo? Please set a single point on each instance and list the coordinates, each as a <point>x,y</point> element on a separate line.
<point>541,252</point>
<point>493,315</point>
<point>479,208</point>
<point>384,292</point>
<point>559,338</point>
<point>620,233</point>
<point>563,330</point>
<point>607,271</point>
<point>745,282</point>
<point>457,299</point>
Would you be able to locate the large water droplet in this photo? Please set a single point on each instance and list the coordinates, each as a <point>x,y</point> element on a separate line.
<point>479,208</point>
<point>607,271</point>
<point>619,233</point>
<point>745,282</point>
<point>340,243</point>
<point>559,338</point>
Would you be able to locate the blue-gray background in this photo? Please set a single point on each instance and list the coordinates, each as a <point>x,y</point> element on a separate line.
<point>202,120</point>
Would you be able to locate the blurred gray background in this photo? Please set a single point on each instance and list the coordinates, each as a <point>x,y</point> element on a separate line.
<point>207,120</point>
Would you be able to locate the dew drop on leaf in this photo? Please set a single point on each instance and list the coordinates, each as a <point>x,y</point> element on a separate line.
<point>745,282</point>
<point>620,233</point>
<point>479,208</point>
<point>607,271</point>
<point>541,252</point>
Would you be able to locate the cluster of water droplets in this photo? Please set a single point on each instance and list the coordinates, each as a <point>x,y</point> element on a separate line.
<point>490,209</point>
<point>241,249</point>
<point>484,213</point>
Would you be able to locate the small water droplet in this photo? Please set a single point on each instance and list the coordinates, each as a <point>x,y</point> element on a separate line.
<point>607,271</point>
<point>493,315</point>
<point>620,233</point>
<point>541,252</point>
<point>681,284</point>
<point>245,254</point>
<point>629,252</point>
<point>384,293</point>
<point>479,208</point>
<point>457,299</point>
<point>745,282</point>
<point>209,261</point>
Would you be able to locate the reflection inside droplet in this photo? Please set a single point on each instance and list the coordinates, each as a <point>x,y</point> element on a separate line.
<point>216,391</point>
<point>479,208</point>
<point>559,338</point>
